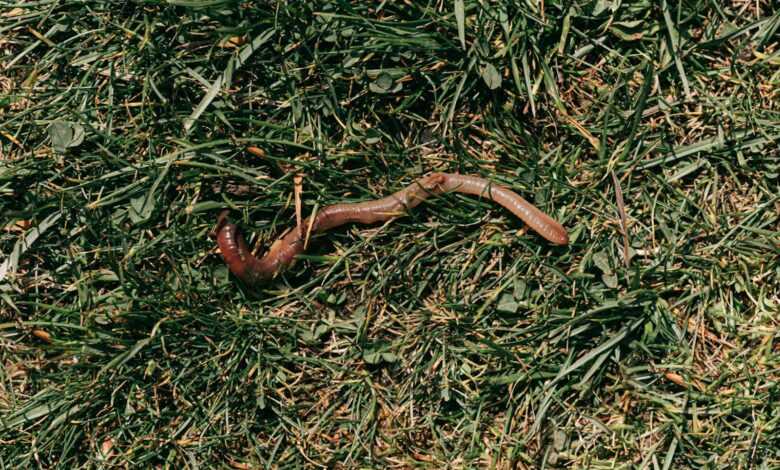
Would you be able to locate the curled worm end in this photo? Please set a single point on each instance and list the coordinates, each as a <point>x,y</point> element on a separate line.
<point>237,255</point>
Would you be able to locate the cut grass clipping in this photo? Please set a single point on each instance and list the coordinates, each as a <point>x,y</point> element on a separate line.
<point>449,337</point>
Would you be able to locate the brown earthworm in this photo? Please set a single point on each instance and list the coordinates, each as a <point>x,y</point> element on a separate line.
<point>283,251</point>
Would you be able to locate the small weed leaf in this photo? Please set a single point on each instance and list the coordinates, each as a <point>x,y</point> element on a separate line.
<point>383,84</point>
<point>140,210</point>
<point>491,76</point>
<point>65,134</point>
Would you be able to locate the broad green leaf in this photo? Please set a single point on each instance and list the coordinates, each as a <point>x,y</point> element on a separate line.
<point>508,304</point>
<point>610,280</point>
<point>65,134</point>
<point>601,260</point>
<point>372,357</point>
<point>139,210</point>
<point>603,5</point>
<point>382,84</point>
<point>461,19</point>
<point>491,76</point>
<point>389,357</point>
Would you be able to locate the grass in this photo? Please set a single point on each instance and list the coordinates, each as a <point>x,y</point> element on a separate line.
<point>447,337</point>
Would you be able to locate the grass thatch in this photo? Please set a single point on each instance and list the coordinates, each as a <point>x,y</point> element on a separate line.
<point>448,337</point>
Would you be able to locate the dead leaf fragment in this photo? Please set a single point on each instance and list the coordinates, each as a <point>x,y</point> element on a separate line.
<point>42,335</point>
<point>256,151</point>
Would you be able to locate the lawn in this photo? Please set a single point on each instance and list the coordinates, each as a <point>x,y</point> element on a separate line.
<point>452,336</point>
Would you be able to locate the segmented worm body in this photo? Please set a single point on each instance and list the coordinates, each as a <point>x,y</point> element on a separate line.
<point>283,251</point>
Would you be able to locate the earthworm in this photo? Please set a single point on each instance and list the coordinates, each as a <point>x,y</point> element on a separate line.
<point>283,251</point>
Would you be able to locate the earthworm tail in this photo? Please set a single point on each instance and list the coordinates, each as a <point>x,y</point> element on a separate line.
<point>283,251</point>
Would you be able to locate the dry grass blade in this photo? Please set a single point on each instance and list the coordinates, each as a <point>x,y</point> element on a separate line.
<point>621,206</point>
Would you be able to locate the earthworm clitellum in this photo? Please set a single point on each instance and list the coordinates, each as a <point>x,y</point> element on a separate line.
<point>252,270</point>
